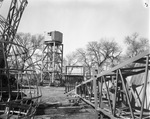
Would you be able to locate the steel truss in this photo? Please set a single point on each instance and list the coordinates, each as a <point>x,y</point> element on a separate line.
<point>19,91</point>
<point>121,92</point>
<point>12,22</point>
<point>52,61</point>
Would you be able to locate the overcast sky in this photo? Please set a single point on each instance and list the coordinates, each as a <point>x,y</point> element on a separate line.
<point>82,21</point>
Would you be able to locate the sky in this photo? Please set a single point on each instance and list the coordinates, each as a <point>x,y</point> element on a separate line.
<point>83,21</point>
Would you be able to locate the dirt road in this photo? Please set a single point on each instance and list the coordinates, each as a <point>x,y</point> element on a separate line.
<point>55,105</point>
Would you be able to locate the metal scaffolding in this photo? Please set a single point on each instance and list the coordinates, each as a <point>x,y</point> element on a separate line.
<point>19,94</point>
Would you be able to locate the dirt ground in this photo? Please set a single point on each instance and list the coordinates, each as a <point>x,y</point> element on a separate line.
<point>55,105</point>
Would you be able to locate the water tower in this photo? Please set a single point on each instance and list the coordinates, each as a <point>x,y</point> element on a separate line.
<point>52,57</point>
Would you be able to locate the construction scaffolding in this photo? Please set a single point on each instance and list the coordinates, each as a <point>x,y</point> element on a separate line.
<point>121,92</point>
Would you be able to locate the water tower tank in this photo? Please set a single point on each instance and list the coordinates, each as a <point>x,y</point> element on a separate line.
<point>56,36</point>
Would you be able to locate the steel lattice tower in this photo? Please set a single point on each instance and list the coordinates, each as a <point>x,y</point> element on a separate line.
<point>52,60</point>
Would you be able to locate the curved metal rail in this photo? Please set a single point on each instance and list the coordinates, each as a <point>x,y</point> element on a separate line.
<point>23,95</point>
<point>19,91</point>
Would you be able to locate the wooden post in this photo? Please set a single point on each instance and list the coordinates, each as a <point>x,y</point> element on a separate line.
<point>53,64</point>
<point>126,92</point>
<point>95,90</point>
<point>115,94</point>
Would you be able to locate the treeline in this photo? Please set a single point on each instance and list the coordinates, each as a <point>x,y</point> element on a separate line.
<point>106,53</point>
<point>102,54</point>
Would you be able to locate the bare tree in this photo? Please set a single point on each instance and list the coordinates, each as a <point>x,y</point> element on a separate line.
<point>32,43</point>
<point>103,53</point>
<point>135,45</point>
<point>85,59</point>
<point>72,60</point>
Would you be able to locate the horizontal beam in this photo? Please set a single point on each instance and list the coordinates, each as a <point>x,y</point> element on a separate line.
<point>131,60</point>
<point>120,66</point>
<point>86,101</point>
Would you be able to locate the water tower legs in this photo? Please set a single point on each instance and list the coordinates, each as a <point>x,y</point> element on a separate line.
<point>52,62</point>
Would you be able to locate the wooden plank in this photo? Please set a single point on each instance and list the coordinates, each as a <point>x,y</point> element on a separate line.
<point>107,113</point>
<point>87,101</point>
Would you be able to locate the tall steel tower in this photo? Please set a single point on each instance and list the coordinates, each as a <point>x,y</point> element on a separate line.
<point>52,59</point>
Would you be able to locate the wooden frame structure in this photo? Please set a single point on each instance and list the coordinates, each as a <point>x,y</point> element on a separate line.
<point>121,92</point>
<point>52,61</point>
<point>73,78</point>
